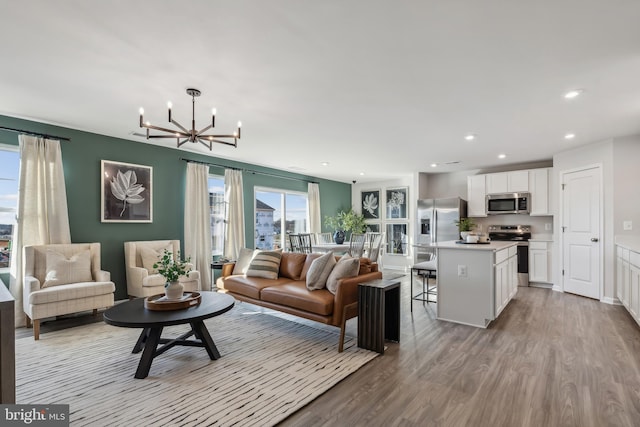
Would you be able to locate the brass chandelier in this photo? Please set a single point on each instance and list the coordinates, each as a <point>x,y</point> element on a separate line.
<point>183,135</point>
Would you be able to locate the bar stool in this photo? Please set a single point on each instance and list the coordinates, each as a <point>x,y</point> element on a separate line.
<point>426,269</point>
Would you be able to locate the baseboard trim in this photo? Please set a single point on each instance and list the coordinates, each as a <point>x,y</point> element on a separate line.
<point>557,288</point>
<point>612,301</point>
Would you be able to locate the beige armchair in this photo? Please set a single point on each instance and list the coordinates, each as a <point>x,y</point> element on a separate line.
<point>139,258</point>
<point>62,279</point>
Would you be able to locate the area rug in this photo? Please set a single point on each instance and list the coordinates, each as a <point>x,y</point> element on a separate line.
<point>270,367</point>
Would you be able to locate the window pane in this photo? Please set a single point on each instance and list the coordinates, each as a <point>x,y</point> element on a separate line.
<point>218,214</point>
<point>268,220</point>
<point>296,214</point>
<point>9,167</point>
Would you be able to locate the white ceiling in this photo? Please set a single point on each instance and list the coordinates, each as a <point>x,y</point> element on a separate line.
<point>380,87</point>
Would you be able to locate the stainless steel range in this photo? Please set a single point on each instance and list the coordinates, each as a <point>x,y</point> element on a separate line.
<point>521,234</point>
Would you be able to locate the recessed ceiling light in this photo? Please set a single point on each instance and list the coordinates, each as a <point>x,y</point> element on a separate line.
<point>502,156</point>
<point>573,93</point>
<point>325,163</point>
<point>470,137</point>
<point>434,165</point>
<point>570,136</point>
<point>361,173</point>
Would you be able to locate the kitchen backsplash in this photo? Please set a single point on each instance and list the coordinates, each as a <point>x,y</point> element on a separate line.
<point>537,223</point>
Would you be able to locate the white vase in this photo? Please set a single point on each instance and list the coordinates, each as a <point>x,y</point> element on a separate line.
<point>173,290</point>
<point>464,235</point>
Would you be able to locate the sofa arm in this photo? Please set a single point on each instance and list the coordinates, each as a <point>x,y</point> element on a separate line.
<point>153,280</point>
<point>347,292</point>
<point>31,284</point>
<point>193,275</point>
<point>103,276</point>
<point>227,269</point>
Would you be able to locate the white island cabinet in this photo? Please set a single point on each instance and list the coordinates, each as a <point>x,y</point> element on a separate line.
<point>475,281</point>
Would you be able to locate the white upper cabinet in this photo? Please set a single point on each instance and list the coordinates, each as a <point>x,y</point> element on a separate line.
<point>476,192</point>
<point>508,182</point>
<point>539,189</point>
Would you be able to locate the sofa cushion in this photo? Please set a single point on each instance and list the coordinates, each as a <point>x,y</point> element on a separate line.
<point>319,271</point>
<point>265,264</point>
<point>249,286</point>
<point>296,295</point>
<point>244,259</point>
<point>150,257</point>
<point>346,267</point>
<point>291,265</point>
<point>70,292</point>
<point>307,264</point>
<point>62,271</point>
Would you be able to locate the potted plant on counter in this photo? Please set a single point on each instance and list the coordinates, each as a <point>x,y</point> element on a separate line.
<point>343,222</point>
<point>465,226</point>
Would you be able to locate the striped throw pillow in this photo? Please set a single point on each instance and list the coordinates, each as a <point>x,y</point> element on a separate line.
<point>265,264</point>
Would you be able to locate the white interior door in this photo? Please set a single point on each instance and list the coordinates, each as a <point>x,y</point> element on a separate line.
<point>581,225</point>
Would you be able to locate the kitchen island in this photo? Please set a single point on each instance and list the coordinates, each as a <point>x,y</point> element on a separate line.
<point>475,281</point>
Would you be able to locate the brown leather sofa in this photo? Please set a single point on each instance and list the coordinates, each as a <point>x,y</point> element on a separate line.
<point>289,294</point>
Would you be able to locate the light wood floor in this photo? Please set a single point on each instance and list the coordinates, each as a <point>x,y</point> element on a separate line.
<point>551,359</point>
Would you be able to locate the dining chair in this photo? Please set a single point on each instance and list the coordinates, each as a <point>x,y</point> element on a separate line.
<point>373,246</point>
<point>324,238</point>
<point>356,244</point>
<point>294,242</point>
<point>305,244</point>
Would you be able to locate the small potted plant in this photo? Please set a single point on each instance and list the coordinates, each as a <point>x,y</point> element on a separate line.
<point>465,225</point>
<point>172,269</point>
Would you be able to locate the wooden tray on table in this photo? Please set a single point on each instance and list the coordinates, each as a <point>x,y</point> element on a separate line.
<point>161,303</point>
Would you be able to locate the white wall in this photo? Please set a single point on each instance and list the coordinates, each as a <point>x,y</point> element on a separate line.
<point>626,177</point>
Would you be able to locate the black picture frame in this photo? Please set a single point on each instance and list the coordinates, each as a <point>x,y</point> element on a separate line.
<point>127,193</point>
<point>397,238</point>
<point>370,203</point>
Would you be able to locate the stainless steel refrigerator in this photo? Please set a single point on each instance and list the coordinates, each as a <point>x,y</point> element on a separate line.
<point>437,223</point>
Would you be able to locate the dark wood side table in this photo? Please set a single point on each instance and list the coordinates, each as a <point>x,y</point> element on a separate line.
<point>378,313</point>
<point>215,265</point>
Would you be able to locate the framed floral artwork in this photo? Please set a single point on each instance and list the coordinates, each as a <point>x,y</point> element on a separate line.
<point>126,192</point>
<point>370,204</point>
<point>396,203</point>
<point>397,238</point>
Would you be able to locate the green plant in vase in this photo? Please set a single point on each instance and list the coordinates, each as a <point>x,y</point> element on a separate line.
<point>343,222</point>
<point>172,269</point>
<point>465,226</point>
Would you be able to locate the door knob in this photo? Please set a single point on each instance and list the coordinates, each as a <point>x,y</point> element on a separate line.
<point>594,239</point>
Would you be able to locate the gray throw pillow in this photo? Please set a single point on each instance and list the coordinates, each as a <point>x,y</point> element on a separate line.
<point>319,271</point>
<point>265,264</point>
<point>346,267</point>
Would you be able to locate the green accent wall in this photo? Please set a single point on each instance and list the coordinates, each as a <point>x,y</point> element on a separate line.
<point>81,160</point>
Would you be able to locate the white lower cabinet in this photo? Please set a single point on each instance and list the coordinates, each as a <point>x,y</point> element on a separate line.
<point>506,277</point>
<point>540,262</point>
<point>628,280</point>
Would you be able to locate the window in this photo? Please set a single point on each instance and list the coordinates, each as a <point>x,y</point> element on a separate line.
<point>10,165</point>
<point>218,211</point>
<point>275,208</point>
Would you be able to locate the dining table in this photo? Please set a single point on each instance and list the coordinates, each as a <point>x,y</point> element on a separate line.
<point>331,247</point>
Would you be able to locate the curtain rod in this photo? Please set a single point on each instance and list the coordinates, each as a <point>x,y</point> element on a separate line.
<point>28,132</point>
<point>248,170</point>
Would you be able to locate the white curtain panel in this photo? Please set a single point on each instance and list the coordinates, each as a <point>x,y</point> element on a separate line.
<point>42,216</point>
<point>315,220</point>
<point>234,240</point>
<point>197,222</point>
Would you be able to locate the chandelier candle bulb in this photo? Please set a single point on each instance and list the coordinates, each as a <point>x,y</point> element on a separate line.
<point>169,105</point>
<point>239,126</point>
<point>213,118</point>
<point>141,116</point>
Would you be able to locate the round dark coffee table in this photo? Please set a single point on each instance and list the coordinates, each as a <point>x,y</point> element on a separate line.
<point>133,314</point>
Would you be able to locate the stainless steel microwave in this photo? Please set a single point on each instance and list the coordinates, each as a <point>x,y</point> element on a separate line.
<point>508,203</point>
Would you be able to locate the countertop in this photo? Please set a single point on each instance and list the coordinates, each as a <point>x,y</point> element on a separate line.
<point>629,242</point>
<point>492,246</point>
